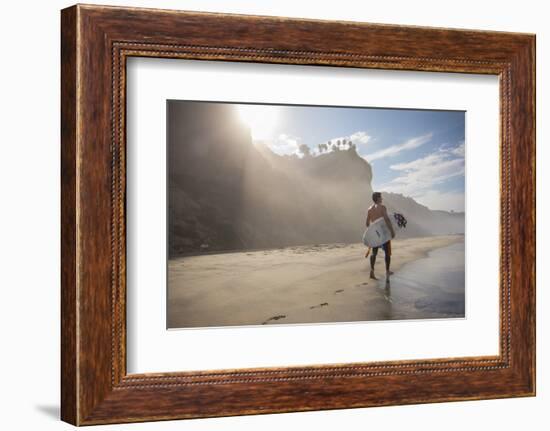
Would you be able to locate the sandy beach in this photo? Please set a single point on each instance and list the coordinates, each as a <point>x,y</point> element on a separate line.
<point>317,283</point>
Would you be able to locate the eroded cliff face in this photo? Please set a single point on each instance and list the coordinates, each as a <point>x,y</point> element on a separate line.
<point>226,193</point>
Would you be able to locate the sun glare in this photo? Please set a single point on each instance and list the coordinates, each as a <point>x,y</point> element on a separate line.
<point>261,119</point>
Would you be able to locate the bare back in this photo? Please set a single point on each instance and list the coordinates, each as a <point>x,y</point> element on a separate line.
<point>375,212</point>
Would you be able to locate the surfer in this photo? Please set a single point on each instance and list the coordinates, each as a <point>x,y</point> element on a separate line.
<point>377,210</point>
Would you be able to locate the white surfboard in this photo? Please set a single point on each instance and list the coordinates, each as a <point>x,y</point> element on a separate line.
<point>377,233</point>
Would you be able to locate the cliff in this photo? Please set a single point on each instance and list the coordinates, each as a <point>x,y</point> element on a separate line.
<point>226,193</point>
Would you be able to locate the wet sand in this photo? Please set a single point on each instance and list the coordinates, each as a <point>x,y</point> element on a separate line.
<point>431,287</point>
<point>318,283</point>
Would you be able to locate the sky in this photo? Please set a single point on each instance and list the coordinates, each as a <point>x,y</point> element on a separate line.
<point>418,153</point>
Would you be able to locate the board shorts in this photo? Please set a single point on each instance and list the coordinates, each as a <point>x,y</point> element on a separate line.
<point>386,247</point>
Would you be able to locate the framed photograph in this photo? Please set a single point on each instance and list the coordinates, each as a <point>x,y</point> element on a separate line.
<point>264,214</point>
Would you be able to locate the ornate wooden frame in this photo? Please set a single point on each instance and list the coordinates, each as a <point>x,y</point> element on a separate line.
<point>95,43</point>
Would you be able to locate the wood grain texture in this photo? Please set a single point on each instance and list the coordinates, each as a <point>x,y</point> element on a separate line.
<point>96,41</point>
<point>69,331</point>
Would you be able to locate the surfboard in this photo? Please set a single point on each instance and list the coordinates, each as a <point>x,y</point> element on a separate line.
<point>377,233</point>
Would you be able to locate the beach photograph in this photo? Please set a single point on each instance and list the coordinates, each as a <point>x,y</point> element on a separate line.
<point>298,214</point>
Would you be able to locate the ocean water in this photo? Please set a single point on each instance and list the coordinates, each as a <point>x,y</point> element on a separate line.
<point>431,287</point>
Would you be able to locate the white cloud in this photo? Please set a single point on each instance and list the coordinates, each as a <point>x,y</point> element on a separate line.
<point>359,138</point>
<point>421,178</point>
<point>284,144</point>
<point>458,151</point>
<point>396,149</point>
<point>424,174</point>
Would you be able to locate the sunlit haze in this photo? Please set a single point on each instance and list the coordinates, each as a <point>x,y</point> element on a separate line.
<point>418,153</point>
<point>261,119</point>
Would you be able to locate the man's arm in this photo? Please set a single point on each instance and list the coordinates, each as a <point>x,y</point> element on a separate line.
<point>388,221</point>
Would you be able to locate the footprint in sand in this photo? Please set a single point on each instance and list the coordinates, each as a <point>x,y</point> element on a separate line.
<point>324,304</point>
<point>362,284</point>
<point>279,316</point>
<point>338,291</point>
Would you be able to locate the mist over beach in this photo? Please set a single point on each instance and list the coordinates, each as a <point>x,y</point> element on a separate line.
<point>269,233</point>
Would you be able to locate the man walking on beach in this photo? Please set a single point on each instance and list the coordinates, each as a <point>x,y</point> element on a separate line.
<point>377,210</point>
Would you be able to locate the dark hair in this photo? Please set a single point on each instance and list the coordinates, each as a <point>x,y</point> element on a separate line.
<point>376,196</point>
